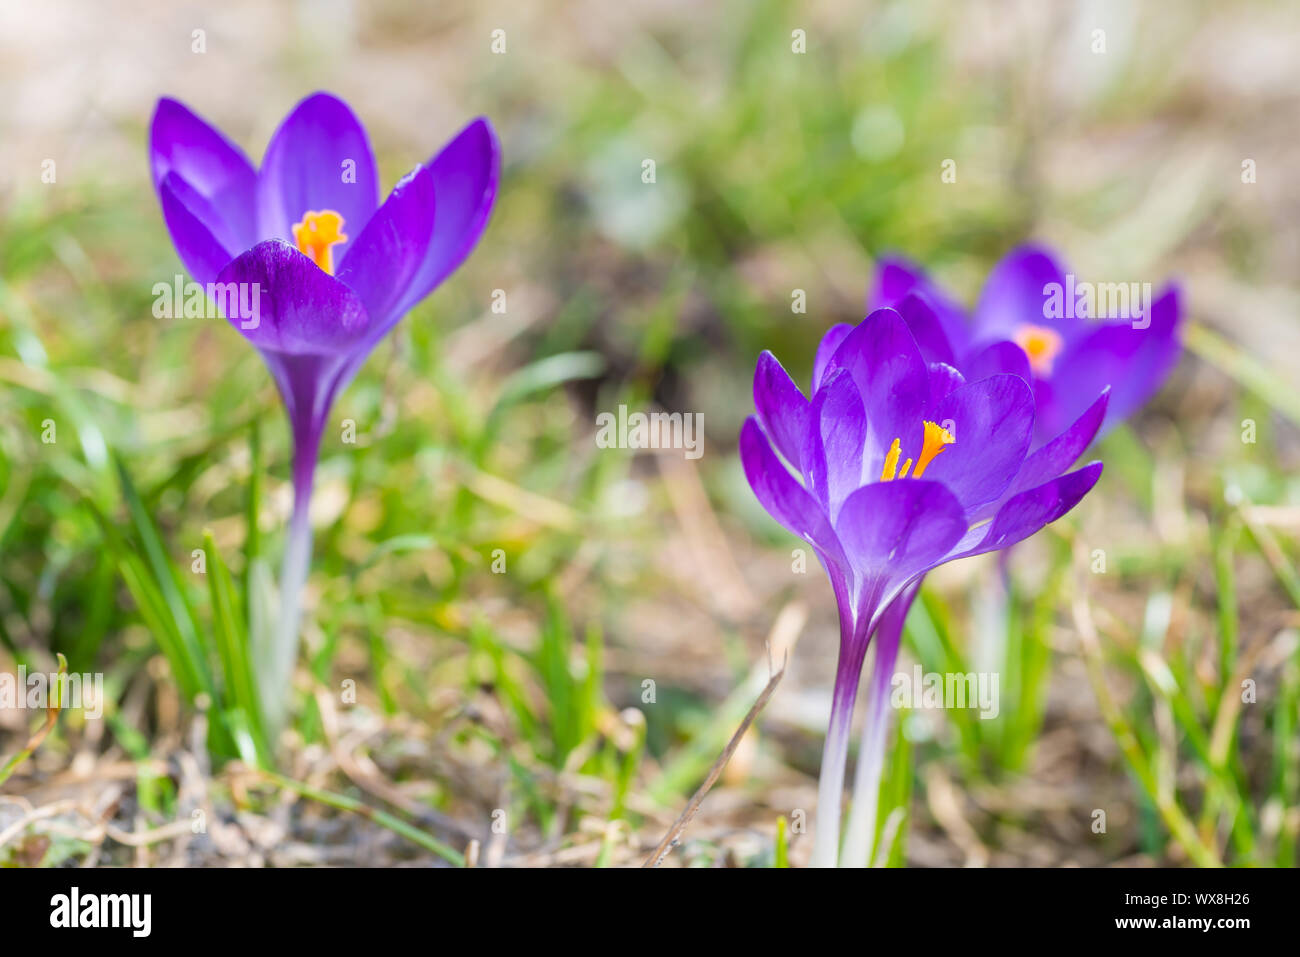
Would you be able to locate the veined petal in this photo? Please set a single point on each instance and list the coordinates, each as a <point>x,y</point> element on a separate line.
<point>892,532</point>
<point>782,496</point>
<point>319,159</point>
<point>1061,452</point>
<point>782,408</point>
<point>891,377</point>
<point>1026,513</point>
<point>182,143</point>
<point>383,261</point>
<point>201,253</point>
<point>825,350</point>
<point>991,421</point>
<point>465,176</point>
<point>301,309</point>
<point>943,380</point>
<point>834,441</point>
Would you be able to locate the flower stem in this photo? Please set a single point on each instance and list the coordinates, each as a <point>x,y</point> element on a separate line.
<point>293,576</point>
<point>830,785</point>
<point>871,752</point>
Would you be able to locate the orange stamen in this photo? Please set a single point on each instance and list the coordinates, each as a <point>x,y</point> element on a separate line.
<point>316,236</point>
<point>1041,345</point>
<point>936,439</point>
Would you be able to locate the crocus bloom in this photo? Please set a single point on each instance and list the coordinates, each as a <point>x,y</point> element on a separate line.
<point>335,268</point>
<point>893,467</point>
<point>1033,320</point>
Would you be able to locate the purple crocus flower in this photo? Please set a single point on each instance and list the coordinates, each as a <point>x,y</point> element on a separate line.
<point>334,268</point>
<point>894,466</point>
<point>1035,320</point>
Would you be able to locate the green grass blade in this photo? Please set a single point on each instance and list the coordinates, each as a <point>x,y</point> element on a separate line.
<point>168,583</point>
<point>239,678</point>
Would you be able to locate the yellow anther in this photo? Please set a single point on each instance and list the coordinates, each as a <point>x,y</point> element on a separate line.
<point>936,439</point>
<point>891,462</point>
<point>317,235</point>
<point>1041,345</point>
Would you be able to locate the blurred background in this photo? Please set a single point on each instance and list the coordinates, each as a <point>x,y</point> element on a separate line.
<point>509,624</point>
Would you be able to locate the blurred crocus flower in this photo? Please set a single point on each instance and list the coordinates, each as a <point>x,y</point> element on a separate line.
<point>333,268</point>
<point>1068,338</point>
<point>894,466</point>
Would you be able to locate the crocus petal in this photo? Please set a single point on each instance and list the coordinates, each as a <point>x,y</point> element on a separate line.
<point>991,421</point>
<point>182,143</point>
<point>892,378</point>
<point>1016,294</point>
<point>826,349</point>
<point>382,262</point>
<point>465,177</point>
<point>1061,452</point>
<point>789,502</point>
<point>305,170</point>
<point>943,379</point>
<point>926,329</point>
<point>782,408</point>
<point>200,251</point>
<point>1000,357</point>
<point>1133,362</point>
<point>833,442</point>
<point>302,309</point>
<point>1029,511</point>
<point>892,532</point>
<point>896,278</point>
<point>776,489</point>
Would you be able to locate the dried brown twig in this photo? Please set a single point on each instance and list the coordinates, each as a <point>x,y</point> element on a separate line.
<point>693,806</point>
